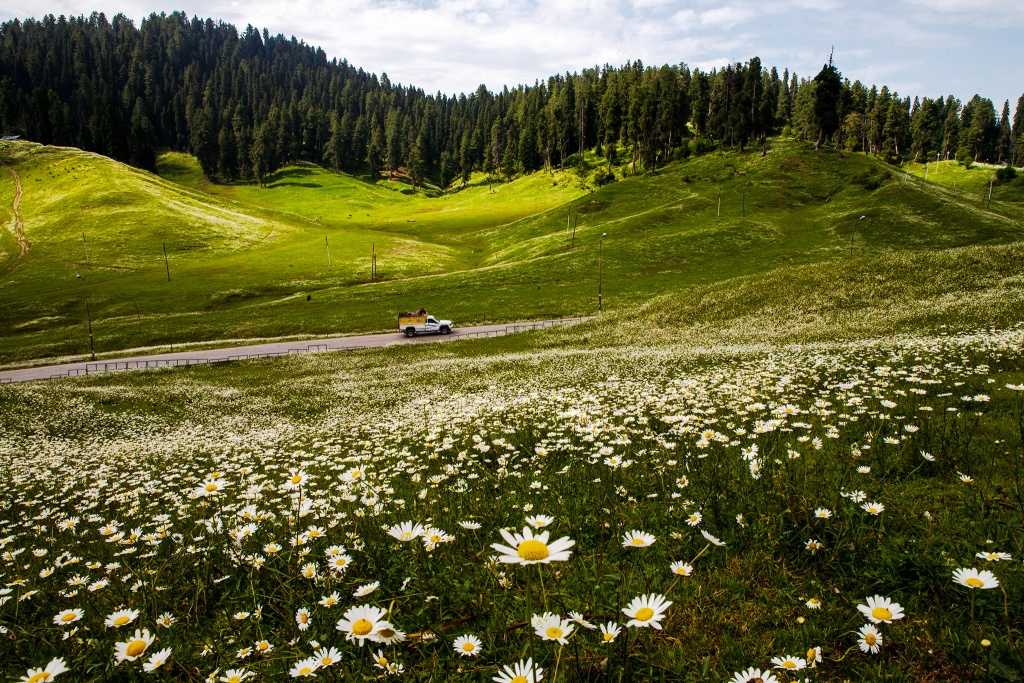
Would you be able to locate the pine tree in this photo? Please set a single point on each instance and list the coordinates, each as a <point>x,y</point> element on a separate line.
<point>227,160</point>
<point>1018,133</point>
<point>951,128</point>
<point>260,153</point>
<point>896,131</point>
<point>246,102</point>
<point>375,150</point>
<point>141,138</point>
<point>827,90</point>
<point>1004,141</point>
<point>853,131</point>
<point>393,139</point>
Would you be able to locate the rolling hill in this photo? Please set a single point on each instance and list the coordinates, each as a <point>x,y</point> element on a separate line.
<point>293,257</point>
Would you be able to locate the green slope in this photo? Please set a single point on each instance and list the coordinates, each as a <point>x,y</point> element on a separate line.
<point>476,255</point>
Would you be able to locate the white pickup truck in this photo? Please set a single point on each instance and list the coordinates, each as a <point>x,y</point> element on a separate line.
<point>421,322</point>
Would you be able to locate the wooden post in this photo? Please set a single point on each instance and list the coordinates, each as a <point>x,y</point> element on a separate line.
<point>991,182</point>
<point>88,314</point>
<point>719,203</point>
<point>167,264</point>
<point>328,248</point>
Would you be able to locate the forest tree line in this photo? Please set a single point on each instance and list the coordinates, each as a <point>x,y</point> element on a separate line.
<point>246,103</point>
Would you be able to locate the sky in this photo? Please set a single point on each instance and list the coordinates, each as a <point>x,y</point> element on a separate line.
<point>917,47</point>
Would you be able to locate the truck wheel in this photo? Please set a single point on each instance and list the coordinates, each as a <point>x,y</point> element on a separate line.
<point>410,332</point>
<point>446,330</point>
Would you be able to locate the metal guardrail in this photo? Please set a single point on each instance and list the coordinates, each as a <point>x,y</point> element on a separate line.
<point>111,366</point>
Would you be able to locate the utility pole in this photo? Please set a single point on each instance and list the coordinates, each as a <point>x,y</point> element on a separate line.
<point>88,315</point>
<point>167,264</point>
<point>600,272</point>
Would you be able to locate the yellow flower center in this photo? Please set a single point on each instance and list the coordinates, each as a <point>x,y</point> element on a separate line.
<point>519,679</point>
<point>40,677</point>
<point>211,487</point>
<point>234,678</point>
<point>296,479</point>
<point>974,582</point>
<point>305,671</point>
<point>70,616</point>
<point>135,648</point>
<point>607,636</point>
<point>361,627</point>
<point>870,639</point>
<point>881,613</point>
<point>533,550</point>
<point>121,620</point>
<point>789,664</point>
<point>386,633</point>
<point>638,541</point>
<point>553,632</point>
<point>468,647</point>
<point>326,660</point>
<point>644,613</point>
<point>811,654</point>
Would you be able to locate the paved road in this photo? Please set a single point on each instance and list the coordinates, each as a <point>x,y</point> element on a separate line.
<point>218,355</point>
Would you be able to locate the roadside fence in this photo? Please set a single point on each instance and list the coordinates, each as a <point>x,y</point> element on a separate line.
<point>114,365</point>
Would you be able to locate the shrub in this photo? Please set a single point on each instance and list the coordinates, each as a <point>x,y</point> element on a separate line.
<point>1006,174</point>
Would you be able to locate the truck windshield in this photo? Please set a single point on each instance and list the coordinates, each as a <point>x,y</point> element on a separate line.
<point>431,320</point>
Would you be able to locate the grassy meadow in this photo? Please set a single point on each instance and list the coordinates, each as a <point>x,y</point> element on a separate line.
<point>791,449</point>
<point>485,253</point>
<point>783,454</point>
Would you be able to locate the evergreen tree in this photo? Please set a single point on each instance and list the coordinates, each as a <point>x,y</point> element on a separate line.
<point>951,128</point>
<point>1004,140</point>
<point>896,131</point>
<point>1018,133</point>
<point>375,150</point>
<point>247,102</point>
<point>828,86</point>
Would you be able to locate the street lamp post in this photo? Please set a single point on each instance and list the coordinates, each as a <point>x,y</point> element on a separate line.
<point>600,272</point>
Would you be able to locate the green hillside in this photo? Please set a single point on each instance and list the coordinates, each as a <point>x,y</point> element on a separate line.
<point>825,380</point>
<point>972,183</point>
<point>247,261</point>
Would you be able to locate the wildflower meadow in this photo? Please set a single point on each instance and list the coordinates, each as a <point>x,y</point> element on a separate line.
<point>820,512</point>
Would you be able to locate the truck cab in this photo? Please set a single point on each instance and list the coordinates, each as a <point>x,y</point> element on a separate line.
<point>421,322</point>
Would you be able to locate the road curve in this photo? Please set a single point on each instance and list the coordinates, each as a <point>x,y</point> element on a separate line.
<point>230,353</point>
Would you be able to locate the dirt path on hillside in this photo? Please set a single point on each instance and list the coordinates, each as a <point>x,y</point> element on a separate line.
<point>19,222</point>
